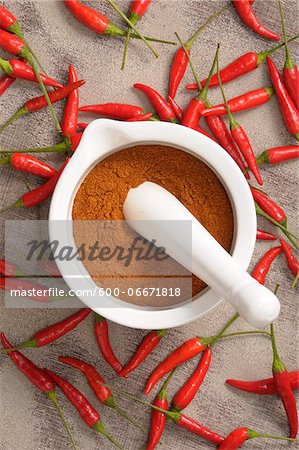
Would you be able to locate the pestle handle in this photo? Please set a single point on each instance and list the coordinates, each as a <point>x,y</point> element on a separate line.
<point>148,210</point>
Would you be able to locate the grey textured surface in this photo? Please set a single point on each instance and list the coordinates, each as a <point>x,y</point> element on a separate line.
<point>28,420</point>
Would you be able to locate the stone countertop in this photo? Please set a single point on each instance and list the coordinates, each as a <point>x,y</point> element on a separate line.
<point>28,420</point>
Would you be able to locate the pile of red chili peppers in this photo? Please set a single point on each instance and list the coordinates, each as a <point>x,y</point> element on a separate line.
<point>24,65</point>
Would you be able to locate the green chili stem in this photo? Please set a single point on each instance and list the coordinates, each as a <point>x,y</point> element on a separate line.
<point>130,419</point>
<point>226,326</point>
<point>232,120</point>
<point>241,333</point>
<point>288,63</point>
<point>126,49</point>
<point>196,77</point>
<point>61,147</point>
<point>52,397</point>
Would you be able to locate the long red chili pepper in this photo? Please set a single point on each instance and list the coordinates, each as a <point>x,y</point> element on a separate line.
<point>19,69</point>
<point>240,66</point>
<point>7,20</point>
<point>5,83</point>
<point>98,385</point>
<point>246,14</point>
<point>29,164</point>
<point>162,108</point>
<point>75,140</point>
<point>269,206</point>
<point>119,111</point>
<point>148,344</point>
<point>262,268</point>
<point>265,236</point>
<point>55,331</point>
<point>158,419</point>
<point>102,336</point>
<point>289,111</point>
<point>87,412</point>
<point>240,137</point>
<point>188,391</point>
<point>263,387</point>
<point>284,388</point>
<point>38,195</point>
<point>240,435</point>
<point>180,60</point>
<point>277,155</point>
<point>292,261</point>
<point>14,45</point>
<point>140,118</point>
<point>69,122</point>
<point>290,70</point>
<point>37,377</point>
<point>176,108</point>
<point>249,100</point>
<point>38,103</point>
<point>19,284</point>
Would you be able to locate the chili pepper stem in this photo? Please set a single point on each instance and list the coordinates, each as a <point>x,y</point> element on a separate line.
<point>130,419</point>
<point>295,281</point>
<point>254,434</point>
<point>21,112</point>
<point>18,32</point>
<point>126,49</point>
<point>226,326</point>
<point>114,6</point>
<point>245,333</point>
<point>278,365</point>
<point>61,147</point>
<point>17,204</point>
<point>52,397</point>
<point>263,55</point>
<point>288,62</point>
<point>100,428</point>
<point>167,381</point>
<point>28,344</point>
<point>196,77</point>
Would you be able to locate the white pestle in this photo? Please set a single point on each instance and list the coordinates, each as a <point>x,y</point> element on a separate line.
<point>149,207</point>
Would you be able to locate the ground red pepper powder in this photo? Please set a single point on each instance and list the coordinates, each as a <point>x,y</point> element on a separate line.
<point>103,192</point>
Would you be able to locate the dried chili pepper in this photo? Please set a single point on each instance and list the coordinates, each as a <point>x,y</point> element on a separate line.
<point>277,155</point>
<point>188,391</point>
<point>240,435</point>
<point>148,344</point>
<point>158,419</point>
<point>55,331</point>
<point>16,68</point>
<point>160,105</point>
<point>98,385</point>
<point>263,387</point>
<point>249,100</point>
<point>289,111</point>
<point>180,60</point>
<point>265,236</point>
<point>283,388</point>
<point>140,118</point>
<point>292,261</point>
<point>87,412</point>
<point>38,195</point>
<point>269,206</point>
<point>262,267</point>
<point>102,336</point>
<point>29,164</point>
<point>290,70</point>
<point>37,377</point>
<point>242,65</point>
<point>69,122</point>
<point>119,111</point>
<point>5,83</point>
<point>38,103</point>
<point>246,14</point>
<point>137,10</point>
<point>240,137</point>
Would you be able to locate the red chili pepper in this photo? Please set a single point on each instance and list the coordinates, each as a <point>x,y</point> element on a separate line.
<point>8,269</point>
<point>180,60</point>
<point>175,108</point>
<point>278,154</point>
<point>40,194</point>
<point>102,336</point>
<point>263,387</point>
<point>246,14</point>
<point>5,83</point>
<point>188,391</point>
<point>55,331</point>
<point>283,388</point>
<point>183,353</point>
<point>240,137</point>
<point>140,118</point>
<point>160,105</point>
<point>269,206</point>
<point>38,377</point>
<point>82,125</point>
<point>242,65</point>
<point>148,344</point>
<point>262,268</point>
<point>115,110</point>
<point>158,419</point>
<point>70,116</point>
<point>194,427</point>
<point>237,437</point>
<point>14,45</point>
<point>193,112</point>
<point>289,111</point>
<point>19,69</point>
<point>249,100</point>
<point>204,132</point>
<point>75,140</point>
<point>290,70</point>
<point>7,20</point>
<point>265,236</point>
<point>19,284</point>
<point>38,103</point>
<point>87,412</point>
<point>292,261</point>
<point>29,164</point>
